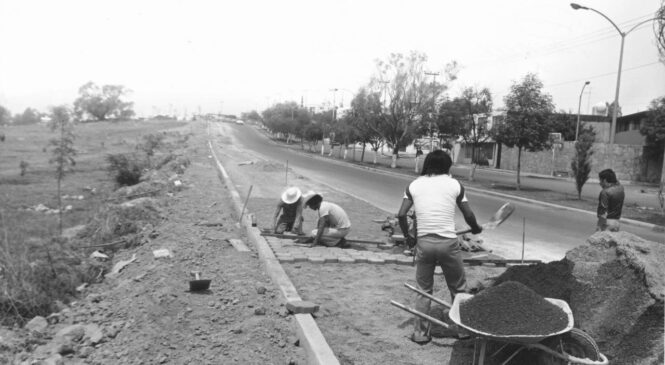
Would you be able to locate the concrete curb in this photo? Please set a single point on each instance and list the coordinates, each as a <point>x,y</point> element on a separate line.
<point>653,227</point>
<point>311,339</point>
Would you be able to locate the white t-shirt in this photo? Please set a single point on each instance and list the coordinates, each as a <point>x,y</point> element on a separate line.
<point>337,215</point>
<point>435,199</point>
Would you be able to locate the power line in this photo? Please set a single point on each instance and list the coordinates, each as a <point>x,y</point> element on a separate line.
<point>578,41</point>
<point>603,75</point>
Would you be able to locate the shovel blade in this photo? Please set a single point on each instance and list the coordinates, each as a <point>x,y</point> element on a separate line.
<point>501,215</point>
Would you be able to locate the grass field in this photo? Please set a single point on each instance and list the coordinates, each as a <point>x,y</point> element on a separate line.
<point>28,237</point>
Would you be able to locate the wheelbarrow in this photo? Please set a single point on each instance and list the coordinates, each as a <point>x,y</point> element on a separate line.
<point>567,346</point>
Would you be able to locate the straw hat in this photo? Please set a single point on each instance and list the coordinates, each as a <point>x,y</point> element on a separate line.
<point>309,195</point>
<point>291,195</point>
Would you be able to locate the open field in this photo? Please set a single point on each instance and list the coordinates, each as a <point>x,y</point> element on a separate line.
<point>38,186</point>
<point>30,236</point>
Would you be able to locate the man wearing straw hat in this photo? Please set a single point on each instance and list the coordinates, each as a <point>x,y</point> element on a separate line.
<point>333,224</point>
<point>291,207</point>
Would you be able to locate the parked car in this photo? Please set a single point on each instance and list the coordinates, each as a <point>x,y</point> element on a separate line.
<point>239,122</point>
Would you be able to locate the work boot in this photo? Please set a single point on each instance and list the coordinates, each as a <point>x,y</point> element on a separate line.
<point>343,244</point>
<point>420,339</point>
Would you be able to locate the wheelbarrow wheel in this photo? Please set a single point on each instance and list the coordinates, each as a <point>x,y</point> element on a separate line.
<point>575,343</point>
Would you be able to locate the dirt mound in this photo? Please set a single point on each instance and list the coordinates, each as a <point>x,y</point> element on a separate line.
<point>614,286</point>
<point>115,221</point>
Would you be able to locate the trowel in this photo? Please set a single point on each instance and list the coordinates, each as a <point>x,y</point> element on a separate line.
<point>197,284</point>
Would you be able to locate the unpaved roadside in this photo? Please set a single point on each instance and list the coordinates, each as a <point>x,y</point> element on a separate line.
<point>146,315</point>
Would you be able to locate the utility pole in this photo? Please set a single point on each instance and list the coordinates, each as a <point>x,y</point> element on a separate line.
<point>431,133</point>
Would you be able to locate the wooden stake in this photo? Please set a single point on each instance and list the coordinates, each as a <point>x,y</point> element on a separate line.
<point>523,234</point>
<point>245,206</point>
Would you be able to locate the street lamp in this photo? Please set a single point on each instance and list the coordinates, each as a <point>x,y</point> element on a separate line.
<point>623,38</point>
<point>579,107</point>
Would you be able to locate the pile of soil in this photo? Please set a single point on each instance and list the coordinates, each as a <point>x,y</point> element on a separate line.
<point>511,309</point>
<point>115,221</point>
<point>615,288</point>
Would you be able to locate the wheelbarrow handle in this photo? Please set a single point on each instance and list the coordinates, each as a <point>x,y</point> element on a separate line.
<point>419,314</point>
<point>440,301</point>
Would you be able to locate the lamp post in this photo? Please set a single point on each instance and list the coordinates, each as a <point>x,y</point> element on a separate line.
<point>579,108</point>
<point>623,38</point>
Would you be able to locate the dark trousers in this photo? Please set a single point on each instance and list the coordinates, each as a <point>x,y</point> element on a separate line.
<point>433,250</point>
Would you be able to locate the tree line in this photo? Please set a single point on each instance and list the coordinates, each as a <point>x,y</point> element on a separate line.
<point>403,102</point>
<point>94,103</point>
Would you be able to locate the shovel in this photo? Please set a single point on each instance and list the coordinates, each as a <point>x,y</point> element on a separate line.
<point>197,284</point>
<point>501,215</point>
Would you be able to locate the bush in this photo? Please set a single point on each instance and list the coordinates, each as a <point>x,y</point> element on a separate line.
<point>33,278</point>
<point>125,169</point>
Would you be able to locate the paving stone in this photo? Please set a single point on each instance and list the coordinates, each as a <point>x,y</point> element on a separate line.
<point>299,258</point>
<point>405,261</point>
<point>285,259</point>
<point>361,260</point>
<point>301,306</point>
<point>330,259</point>
<point>376,261</point>
<point>346,260</point>
<point>317,260</point>
<point>390,259</point>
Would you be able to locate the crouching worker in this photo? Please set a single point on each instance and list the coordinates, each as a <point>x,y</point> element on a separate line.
<point>290,205</point>
<point>333,224</point>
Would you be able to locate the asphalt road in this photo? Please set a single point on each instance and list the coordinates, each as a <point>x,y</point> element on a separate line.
<point>548,232</point>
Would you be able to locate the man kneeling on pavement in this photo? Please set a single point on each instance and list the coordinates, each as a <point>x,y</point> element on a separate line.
<point>333,224</point>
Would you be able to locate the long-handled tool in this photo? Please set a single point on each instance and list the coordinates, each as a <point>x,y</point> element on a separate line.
<point>499,217</point>
<point>198,284</point>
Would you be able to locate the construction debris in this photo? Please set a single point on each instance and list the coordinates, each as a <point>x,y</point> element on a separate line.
<point>162,252</point>
<point>121,265</point>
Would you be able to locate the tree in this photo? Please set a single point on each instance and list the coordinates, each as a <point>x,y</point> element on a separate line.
<point>29,116</point>
<point>253,115</point>
<point>581,162</point>
<point>102,103</point>
<point>653,129</point>
<point>325,121</point>
<point>5,115</point>
<point>287,118</point>
<point>457,118</point>
<point>526,125</point>
<point>409,96</point>
<point>366,117</point>
<point>62,148</point>
<point>566,124</point>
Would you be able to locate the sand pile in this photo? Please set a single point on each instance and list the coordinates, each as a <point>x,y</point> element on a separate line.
<point>615,287</point>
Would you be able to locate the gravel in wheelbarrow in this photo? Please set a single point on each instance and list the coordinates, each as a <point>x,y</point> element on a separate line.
<point>512,311</point>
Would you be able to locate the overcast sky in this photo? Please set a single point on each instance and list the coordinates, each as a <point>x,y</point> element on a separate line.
<point>240,55</point>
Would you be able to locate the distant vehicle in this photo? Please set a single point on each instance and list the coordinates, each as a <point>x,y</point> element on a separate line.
<point>239,122</point>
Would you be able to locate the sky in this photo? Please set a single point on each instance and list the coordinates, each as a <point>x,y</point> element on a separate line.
<point>235,56</point>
